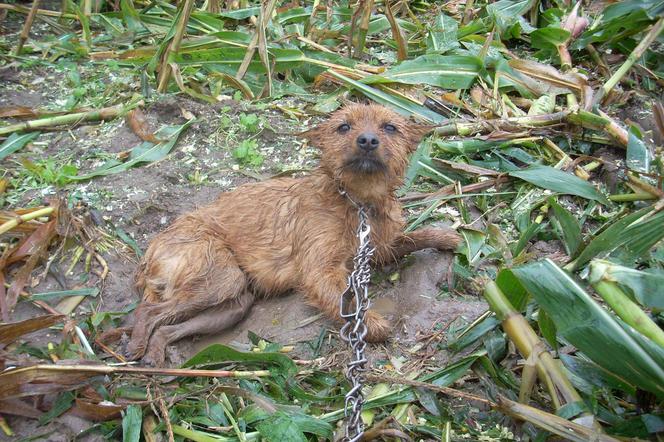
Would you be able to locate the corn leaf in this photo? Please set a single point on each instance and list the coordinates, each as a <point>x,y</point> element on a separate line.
<point>442,35</point>
<point>449,72</point>
<point>638,156</point>
<point>559,181</point>
<point>570,228</point>
<point>399,104</point>
<point>585,324</point>
<point>16,142</point>
<point>636,232</point>
<point>146,152</point>
<point>131,424</point>
<point>217,353</point>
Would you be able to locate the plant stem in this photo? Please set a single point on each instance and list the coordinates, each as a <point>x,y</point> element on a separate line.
<point>7,226</point>
<point>627,197</point>
<point>25,32</point>
<point>624,307</point>
<point>174,46</point>
<point>106,113</point>
<point>397,33</point>
<point>516,123</point>
<point>638,51</point>
<point>46,12</point>
<point>527,342</point>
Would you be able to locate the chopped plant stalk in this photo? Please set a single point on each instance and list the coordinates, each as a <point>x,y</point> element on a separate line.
<point>107,113</point>
<point>527,342</point>
<point>8,225</point>
<point>515,124</point>
<point>25,32</point>
<point>174,46</point>
<point>624,307</point>
<point>397,33</point>
<point>638,51</point>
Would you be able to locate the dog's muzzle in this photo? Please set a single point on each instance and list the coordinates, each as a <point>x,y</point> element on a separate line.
<point>365,163</point>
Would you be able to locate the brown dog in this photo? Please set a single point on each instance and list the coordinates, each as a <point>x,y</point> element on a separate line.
<point>202,274</point>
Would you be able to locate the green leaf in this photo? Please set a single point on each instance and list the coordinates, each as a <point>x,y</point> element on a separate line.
<point>636,233</point>
<point>91,291</point>
<point>280,427</point>
<point>452,372</point>
<point>570,228</point>
<point>399,104</point>
<point>559,181</point>
<point>506,14</point>
<point>442,35</point>
<point>586,375</point>
<point>131,423</point>
<point>218,353</point>
<point>143,153</point>
<point>61,404</point>
<point>445,71</point>
<point>547,328</point>
<point>241,14</point>
<point>414,166</point>
<point>586,325</point>
<point>16,142</point>
<point>638,156</point>
<point>549,37</point>
<point>283,58</point>
<point>309,424</point>
<point>131,17</point>
<point>473,334</point>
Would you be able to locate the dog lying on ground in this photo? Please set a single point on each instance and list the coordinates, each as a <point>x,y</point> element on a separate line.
<point>203,273</point>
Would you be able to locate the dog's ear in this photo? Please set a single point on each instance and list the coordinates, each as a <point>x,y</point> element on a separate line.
<point>417,131</point>
<point>312,135</point>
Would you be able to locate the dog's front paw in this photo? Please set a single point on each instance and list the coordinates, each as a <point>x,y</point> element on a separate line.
<point>444,238</point>
<point>378,328</point>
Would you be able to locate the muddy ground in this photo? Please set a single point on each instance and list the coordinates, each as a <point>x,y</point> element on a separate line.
<point>144,200</point>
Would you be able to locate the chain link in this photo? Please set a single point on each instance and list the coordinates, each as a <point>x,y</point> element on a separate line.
<point>354,304</point>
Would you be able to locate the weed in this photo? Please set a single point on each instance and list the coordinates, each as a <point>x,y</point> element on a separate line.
<point>250,123</point>
<point>48,172</point>
<point>247,155</point>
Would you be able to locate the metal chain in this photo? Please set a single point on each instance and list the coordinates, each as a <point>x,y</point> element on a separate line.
<point>354,304</point>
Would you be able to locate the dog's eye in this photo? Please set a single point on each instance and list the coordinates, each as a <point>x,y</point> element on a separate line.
<point>343,128</point>
<point>390,128</point>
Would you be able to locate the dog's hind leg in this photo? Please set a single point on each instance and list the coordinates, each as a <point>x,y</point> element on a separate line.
<point>210,321</point>
<point>200,277</point>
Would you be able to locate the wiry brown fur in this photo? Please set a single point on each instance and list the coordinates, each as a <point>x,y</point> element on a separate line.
<point>200,275</point>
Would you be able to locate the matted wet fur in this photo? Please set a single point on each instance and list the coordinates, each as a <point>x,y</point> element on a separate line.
<point>203,273</point>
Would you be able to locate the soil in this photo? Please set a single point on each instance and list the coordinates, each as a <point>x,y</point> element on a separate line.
<point>144,200</point>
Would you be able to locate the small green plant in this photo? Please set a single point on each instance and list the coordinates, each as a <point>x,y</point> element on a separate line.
<point>48,172</point>
<point>247,155</point>
<point>250,122</point>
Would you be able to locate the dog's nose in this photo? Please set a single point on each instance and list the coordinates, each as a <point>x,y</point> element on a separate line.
<point>368,141</point>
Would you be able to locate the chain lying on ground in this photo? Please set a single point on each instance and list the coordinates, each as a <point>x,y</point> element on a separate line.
<point>354,304</point>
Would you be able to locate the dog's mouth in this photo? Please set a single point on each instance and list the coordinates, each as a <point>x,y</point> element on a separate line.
<point>364,163</point>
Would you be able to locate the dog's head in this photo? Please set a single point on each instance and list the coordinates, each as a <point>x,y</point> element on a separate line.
<point>366,144</point>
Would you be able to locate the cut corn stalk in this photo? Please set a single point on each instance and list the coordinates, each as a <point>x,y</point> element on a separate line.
<point>174,46</point>
<point>527,342</point>
<point>25,32</point>
<point>8,225</point>
<point>624,307</point>
<point>107,113</point>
